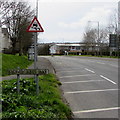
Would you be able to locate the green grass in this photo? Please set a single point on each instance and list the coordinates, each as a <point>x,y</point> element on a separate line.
<point>0,64</point>
<point>27,106</point>
<point>95,56</point>
<point>12,62</point>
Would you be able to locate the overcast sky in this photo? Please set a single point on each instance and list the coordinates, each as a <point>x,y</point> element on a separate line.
<point>66,20</point>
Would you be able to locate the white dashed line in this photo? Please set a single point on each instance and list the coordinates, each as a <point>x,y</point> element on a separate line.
<point>67,71</point>
<point>76,75</point>
<point>101,63</point>
<point>89,70</point>
<point>108,79</point>
<point>96,110</point>
<point>88,91</point>
<point>113,65</point>
<point>83,81</point>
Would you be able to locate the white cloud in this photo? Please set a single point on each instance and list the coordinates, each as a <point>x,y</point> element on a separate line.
<point>66,22</point>
<point>76,0</point>
<point>96,14</point>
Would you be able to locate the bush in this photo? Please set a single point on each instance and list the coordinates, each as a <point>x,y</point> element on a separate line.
<point>48,104</point>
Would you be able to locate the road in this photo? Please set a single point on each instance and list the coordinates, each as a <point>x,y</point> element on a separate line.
<point>90,85</point>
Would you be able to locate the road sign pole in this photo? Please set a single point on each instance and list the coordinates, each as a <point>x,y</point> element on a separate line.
<point>35,27</point>
<point>35,54</point>
<point>35,50</point>
<point>18,83</point>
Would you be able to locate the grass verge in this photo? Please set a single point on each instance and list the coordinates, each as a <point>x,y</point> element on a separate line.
<point>27,106</point>
<point>96,56</point>
<point>12,62</point>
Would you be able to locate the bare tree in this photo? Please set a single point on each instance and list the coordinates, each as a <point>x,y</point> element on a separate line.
<point>15,16</point>
<point>89,39</point>
<point>113,22</point>
<point>113,29</point>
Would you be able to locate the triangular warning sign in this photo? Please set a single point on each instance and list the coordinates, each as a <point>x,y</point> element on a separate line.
<point>35,26</point>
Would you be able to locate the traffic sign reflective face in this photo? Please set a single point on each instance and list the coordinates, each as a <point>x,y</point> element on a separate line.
<point>35,26</point>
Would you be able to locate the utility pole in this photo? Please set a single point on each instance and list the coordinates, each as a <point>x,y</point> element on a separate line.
<point>35,53</point>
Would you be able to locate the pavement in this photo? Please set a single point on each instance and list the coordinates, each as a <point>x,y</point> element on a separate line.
<point>90,85</point>
<point>42,63</point>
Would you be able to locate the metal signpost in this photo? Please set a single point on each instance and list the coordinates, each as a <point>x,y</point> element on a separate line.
<point>35,27</point>
<point>28,72</point>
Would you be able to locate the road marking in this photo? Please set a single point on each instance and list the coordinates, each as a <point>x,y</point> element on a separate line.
<point>91,61</point>
<point>68,71</point>
<point>88,91</point>
<point>77,75</point>
<point>83,81</point>
<point>100,62</point>
<point>96,110</point>
<point>108,79</point>
<point>89,70</point>
<point>113,65</point>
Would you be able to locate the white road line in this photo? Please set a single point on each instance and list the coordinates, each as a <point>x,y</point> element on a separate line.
<point>76,75</point>
<point>113,65</point>
<point>96,110</point>
<point>88,91</point>
<point>89,70</point>
<point>108,79</point>
<point>100,62</point>
<point>68,71</point>
<point>90,61</point>
<point>83,81</point>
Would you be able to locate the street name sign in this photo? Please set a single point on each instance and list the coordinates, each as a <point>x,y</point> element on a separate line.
<point>28,71</point>
<point>35,26</point>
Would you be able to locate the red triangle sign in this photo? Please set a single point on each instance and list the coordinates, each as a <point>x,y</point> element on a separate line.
<point>35,26</point>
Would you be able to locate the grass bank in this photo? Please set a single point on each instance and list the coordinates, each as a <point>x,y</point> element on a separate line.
<point>96,56</point>
<point>27,106</point>
<point>12,62</point>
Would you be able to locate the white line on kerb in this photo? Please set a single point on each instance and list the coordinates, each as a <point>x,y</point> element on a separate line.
<point>89,70</point>
<point>96,110</point>
<point>83,81</point>
<point>76,75</point>
<point>88,91</point>
<point>108,79</point>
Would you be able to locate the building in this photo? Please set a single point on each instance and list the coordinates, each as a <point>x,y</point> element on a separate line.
<point>71,48</point>
<point>5,42</point>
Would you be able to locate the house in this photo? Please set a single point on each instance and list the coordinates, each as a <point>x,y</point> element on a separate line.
<point>4,39</point>
<point>62,48</point>
<point>72,48</point>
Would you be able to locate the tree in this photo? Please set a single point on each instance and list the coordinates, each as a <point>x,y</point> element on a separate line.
<point>102,41</point>
<point>113,22</point>
<point>43,49</point>
<point>89,39</point>
<point>112,28</point>
<point>16,17</point>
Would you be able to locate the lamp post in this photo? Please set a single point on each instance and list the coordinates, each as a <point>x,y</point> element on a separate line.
<point>98,29</point>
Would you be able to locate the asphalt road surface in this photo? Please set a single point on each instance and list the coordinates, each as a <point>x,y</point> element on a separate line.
<point>90,85</point>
